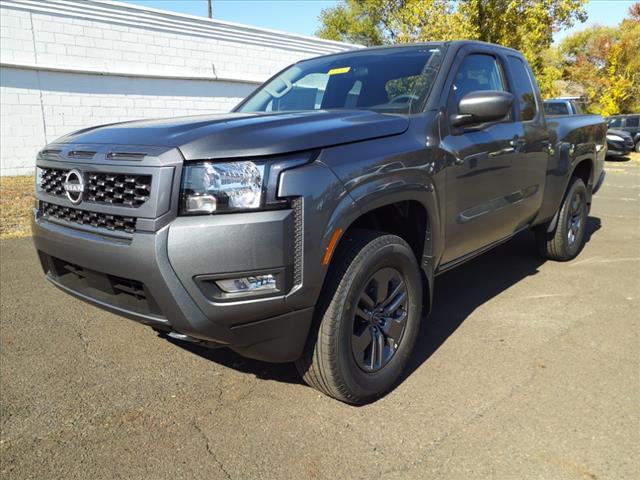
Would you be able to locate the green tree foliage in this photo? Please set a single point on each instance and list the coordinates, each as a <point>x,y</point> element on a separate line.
<point>378,22</point>
<point>527,25</point>
<point>605,62</point>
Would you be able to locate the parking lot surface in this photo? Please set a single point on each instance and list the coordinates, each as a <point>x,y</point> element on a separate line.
<point>525,370</point>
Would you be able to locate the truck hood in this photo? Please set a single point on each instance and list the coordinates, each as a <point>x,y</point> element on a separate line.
<point>245,135</point>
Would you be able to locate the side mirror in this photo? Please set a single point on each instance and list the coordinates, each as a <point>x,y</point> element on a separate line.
<point>482,106</point>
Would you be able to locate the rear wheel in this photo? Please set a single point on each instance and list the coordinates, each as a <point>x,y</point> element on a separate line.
<point>638,146</point>
<point>567,239</point>
<point>367,318</point>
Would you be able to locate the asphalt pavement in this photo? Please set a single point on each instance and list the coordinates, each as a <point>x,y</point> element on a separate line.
<point>525,370</point>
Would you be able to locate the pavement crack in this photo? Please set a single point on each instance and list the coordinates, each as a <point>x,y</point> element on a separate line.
<point>85,348</point>
<point>210,450</point>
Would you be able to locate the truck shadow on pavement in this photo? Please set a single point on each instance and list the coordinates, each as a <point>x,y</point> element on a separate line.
<point>622,159</point>
<point>461,291</point>
<point>457,294</point>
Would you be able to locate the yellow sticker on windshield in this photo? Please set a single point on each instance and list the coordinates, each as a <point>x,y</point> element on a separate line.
<point>338,71</point>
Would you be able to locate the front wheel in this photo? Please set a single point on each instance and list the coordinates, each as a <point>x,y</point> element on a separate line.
<point>567,239</point>
<point>367,318</point>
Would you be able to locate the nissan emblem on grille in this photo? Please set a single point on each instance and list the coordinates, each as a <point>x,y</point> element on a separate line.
<point>74,186</point>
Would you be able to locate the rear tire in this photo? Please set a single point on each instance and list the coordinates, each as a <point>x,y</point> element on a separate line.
<point>567,239</point>
<point>366,320</point>
<point>638,146</point>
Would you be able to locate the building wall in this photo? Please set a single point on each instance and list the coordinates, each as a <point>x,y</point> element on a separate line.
<point>69,64</point>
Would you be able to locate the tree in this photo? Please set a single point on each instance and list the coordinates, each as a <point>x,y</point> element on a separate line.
<point>378,22</point>
<point>527,25</point>
<point>634,12</point>
<point>605,62</point>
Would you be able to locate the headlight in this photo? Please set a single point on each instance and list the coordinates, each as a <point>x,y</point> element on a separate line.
<point>215,187</point>
<point>219,187</point>
<point>614,138</point>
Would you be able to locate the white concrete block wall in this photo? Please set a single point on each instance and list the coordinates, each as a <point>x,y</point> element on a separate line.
<point>21,124</point>
<point>69,64</point>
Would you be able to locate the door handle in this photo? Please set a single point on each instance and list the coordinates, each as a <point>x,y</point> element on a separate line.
<point>549,147</point>
<point>517,141</point>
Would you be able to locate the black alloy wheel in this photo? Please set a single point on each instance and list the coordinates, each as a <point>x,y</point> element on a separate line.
<point>380,320</point>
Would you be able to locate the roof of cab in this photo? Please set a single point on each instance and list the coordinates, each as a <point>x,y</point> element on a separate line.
<point>456,44</point>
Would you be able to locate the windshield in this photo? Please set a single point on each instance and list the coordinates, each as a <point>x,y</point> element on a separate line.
<point>395,80</point>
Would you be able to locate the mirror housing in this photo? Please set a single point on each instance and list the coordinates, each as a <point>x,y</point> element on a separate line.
<point>482,106</point>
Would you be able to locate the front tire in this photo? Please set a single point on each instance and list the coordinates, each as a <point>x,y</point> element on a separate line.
<point>567,239</point>
<point>367,318</point>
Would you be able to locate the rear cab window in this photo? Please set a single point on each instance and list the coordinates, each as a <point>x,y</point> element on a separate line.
<point>633,122</point>
<point>556,108</point>
<point>577,108</point>
<point>523,89</point>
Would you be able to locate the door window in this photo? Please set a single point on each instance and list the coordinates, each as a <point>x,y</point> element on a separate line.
<point>477,72</point>
<point>615,122</point>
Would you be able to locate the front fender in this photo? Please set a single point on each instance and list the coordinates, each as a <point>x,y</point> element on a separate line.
<point>322,193</point>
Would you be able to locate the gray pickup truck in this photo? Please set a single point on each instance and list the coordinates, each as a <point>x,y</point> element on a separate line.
<point>310,223</point>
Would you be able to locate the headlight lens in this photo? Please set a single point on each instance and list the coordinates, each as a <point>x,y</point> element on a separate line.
<point>614,138</point>
<point>219,187</point>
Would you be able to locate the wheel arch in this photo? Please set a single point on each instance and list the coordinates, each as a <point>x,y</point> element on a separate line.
<point>583,169</point>
<point>410,214</point>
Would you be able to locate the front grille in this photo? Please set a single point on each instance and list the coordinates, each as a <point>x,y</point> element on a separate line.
<point>106,188</point>
<point>52,180</point>
<point>94,219</point>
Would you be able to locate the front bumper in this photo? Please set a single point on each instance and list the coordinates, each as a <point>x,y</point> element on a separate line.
<point>619,149</point>
<point>156,278</point>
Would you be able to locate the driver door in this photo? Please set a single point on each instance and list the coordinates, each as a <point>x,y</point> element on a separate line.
<point>480,175</point>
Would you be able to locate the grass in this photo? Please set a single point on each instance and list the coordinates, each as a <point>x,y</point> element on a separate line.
<point>16,201</point>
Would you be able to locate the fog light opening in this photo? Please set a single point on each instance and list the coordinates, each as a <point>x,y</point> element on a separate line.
<point>251,283</point>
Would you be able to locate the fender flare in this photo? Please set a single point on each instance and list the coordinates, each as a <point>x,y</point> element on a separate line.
<point>379,195</point>
<point>554,220</point>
